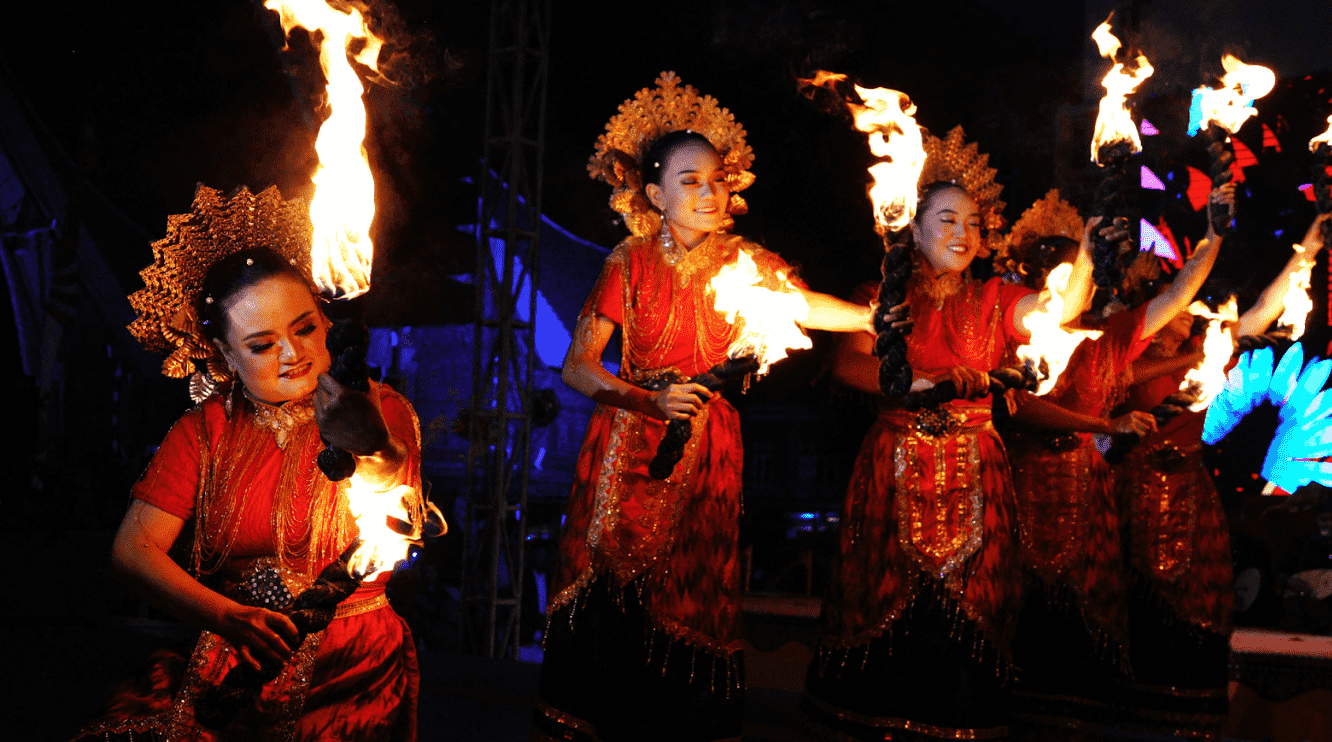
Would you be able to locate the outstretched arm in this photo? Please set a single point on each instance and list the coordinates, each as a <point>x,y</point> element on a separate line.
<point>1177,298</point>
<point>1271,303</point>
<point>1147,369</point>
<point>836,315</point>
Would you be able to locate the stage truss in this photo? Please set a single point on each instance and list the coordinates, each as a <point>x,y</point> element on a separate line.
<point>505,279</point>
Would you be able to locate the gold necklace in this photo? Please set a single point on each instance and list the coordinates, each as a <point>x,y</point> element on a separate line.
<point>282,419</point>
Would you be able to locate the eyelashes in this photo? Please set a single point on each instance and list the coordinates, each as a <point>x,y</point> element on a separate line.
<point>695,181</point>
<point>261,348</point>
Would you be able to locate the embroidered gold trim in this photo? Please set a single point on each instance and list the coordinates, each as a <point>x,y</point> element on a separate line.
<point>145,724</point>
<point>608,483</point>
<point>892,722</point>
<point>568,720</point>
<point>924,547</point>
<point>357,607</point>
<point>295,677</point>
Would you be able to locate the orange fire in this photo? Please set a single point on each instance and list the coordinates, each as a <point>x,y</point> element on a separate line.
<point>1324,138</point>
<point>1297,303</point>
<point>1209,379</point>
<point>1051,345</point>
<point>1113,122</point>
<point>886,115</point>
<point>344,200</point>
<point>769,320</point>
<point>1229,106</point>
<point>893,135</point>
<point>381,547</point>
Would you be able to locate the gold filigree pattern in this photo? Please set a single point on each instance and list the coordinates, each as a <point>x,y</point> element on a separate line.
<point>651,113</point>
<point>1054,517</point>
<point>282,419</point>
<point>939,526</point>
<point>954,161</point>
<point>216,227</point>
<point>1051,216</point>
<point>1164,514</point>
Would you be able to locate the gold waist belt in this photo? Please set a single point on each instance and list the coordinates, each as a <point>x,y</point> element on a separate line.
<point>357,607</point>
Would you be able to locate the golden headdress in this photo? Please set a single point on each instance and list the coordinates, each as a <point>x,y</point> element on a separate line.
<point>954,161</point>
<point>216,227</point>
<point>1051,216</point>
<point>651,113</point>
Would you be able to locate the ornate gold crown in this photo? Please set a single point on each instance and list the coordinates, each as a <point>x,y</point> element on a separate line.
<point>1051,216</point>
<point>651,113</point>
<point>216,227</point>
<point>952,160</point>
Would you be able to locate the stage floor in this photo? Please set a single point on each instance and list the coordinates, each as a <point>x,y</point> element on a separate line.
<point>57,672</point>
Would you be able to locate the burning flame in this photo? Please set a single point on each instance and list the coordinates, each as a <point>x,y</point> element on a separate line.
<point>894,136</point>
<point>1209,379</point>
<point>1297,302</point>
<point>1324,138</point>
<point>381,546</point>
<point>1229,106</point>
<point>344,200</point>
<point>886,115</point>
<point>768,319</point>
<point>1051,345</point>
<point>1113,122</point>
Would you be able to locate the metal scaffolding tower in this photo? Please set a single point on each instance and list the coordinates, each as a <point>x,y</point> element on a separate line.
<point>505,279</point>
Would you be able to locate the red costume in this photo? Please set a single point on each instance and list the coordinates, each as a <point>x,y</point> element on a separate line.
<point>663,553</point>
<point>1177,544</point>
<point>928,528</point>
<point>1069,545</point>
<point>266,519</point>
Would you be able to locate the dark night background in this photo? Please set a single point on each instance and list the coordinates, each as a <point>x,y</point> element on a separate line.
<point>143,100</point>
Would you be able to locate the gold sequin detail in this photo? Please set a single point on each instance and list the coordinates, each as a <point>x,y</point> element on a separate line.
<point>943,526</point>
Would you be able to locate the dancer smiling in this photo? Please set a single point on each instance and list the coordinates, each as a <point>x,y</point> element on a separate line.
<point>919,612</point>
<point>644,632</point>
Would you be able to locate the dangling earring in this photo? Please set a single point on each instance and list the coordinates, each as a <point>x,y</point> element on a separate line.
<point>670,251</point>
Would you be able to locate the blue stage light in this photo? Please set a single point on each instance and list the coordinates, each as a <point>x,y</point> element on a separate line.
<point>1304,432</point>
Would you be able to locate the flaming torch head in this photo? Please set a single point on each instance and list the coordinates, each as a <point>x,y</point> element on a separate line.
<point>343,205</point>
<point>768,317</point>
<point>1230,105</point>
<point>1207,380</point>
<point>886,115</point>
<point>1051,346</point>
<point>1113,122</point>
<point>381,517</point>
<point>1324,138</point>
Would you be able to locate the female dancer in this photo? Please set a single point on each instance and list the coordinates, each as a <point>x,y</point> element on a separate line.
<point>1177,539</point>
<point>1071,638</point>
<point>644,627</point>
<point>919,610</point>
<point>225,291</point>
